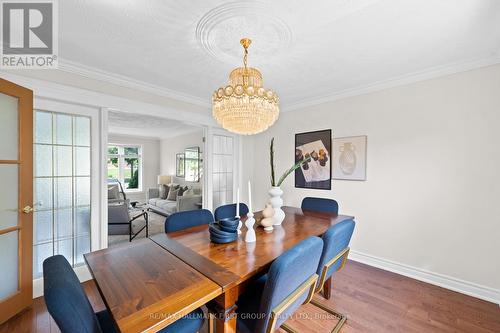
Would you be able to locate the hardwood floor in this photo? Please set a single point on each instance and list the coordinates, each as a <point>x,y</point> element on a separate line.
<point>374,300</point>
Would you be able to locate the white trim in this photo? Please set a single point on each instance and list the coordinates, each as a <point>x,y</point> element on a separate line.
<point>103,177</point>
<point>82,272</point>
<point>127,82</point>
<point>402,80</point>
<point>441,280</point>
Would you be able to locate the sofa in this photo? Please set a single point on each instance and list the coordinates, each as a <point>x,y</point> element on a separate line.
<point>168,207</point>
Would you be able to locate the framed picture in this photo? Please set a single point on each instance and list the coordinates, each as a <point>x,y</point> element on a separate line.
<point>349,158</point>
<point>317,173</point>
<point>179,165</point>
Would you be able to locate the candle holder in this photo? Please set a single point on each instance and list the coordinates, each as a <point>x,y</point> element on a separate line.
<point>249,223</point>
<point>239,226</point>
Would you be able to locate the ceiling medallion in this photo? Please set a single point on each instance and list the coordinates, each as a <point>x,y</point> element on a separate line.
<point>244,106</point>
<point>217,30</point>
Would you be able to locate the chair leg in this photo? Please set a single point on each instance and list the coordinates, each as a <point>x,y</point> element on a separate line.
<point>327,288</point>
<point>342,318</point>
<point>210,323</point>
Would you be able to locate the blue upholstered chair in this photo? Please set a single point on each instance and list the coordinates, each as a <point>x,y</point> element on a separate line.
<point>187,219</point>
<point>229,210</point>
<point>335,251</point>
<point>320,205</point>
<point>289,283</point>
<point>69,306</point>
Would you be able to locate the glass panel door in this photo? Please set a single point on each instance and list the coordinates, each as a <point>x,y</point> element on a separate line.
<point>62,187</point>
<point>222,169</point>
<point>16,136</point>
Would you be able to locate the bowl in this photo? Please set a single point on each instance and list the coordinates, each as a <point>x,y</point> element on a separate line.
<point>228,229</point>
<point>216,230</point>
<point>223,240</point>
<point>230,221</point>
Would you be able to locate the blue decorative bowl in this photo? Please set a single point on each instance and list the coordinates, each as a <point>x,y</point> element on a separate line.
<point>228,229</point>
<point>223,240</point>
<point>216,230</point>
<point>230,221</point>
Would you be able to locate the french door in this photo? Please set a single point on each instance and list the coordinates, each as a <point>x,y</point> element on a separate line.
<point>16,198</point>
<point>223,168</point>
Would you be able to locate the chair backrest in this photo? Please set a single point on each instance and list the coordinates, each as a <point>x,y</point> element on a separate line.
<point>66,299</point>
<point>118,212</point>
<point>229,210</point>
<point>320,205</point>
<point>286,274</point>
<point>336,239</point>
<point>188,219</point>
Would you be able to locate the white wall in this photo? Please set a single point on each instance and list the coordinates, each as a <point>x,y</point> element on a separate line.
<point>171,146</point>
<point>150,161</point>
<point>431,200</point>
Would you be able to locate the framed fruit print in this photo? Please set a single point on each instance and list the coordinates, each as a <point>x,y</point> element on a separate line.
<point>317,173</point>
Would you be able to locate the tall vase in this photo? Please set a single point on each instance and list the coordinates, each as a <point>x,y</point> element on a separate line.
<point>279,215</point>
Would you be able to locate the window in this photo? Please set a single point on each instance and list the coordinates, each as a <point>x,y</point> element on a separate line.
<point>125,164</point>
<point>61,188</point>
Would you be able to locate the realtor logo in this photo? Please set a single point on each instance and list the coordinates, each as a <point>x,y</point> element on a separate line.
<point>29,34</point>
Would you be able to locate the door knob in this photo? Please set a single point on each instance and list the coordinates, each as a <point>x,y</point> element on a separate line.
<point>27,210</point>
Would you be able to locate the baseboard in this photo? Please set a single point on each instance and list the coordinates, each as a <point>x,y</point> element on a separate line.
<point>448,282</point>
<point>82,272</point>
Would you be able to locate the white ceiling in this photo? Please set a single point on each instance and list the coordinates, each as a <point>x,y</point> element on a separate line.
<point>145,126</point>
<point>307,50</point>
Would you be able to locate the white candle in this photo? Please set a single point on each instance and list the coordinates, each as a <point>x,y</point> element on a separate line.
<point>238,203</point>
<point>250,196</point>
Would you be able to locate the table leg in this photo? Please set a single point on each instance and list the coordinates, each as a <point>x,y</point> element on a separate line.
<point>327,288</point>
<point>224,309</point>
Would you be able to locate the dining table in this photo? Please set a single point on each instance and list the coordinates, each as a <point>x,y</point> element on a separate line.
<point>149,283</point>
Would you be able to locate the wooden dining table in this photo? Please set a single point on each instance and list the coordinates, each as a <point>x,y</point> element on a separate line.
<point>172,274</point>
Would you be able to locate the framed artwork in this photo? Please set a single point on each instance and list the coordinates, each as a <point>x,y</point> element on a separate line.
<point>349,158</point>
<point>317,173</point>
<point>179,165</point>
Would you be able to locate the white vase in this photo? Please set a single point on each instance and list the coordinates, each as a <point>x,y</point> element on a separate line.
<point>279,215</point>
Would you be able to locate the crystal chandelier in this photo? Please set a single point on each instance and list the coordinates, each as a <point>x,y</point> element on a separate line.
<point>244,106</point>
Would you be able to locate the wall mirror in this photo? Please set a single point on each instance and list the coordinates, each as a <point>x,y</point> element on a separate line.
<point>192,164</point>
<point>179,165</point>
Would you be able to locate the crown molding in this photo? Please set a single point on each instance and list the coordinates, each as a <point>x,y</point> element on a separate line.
<point>402,80</point>
<point>127,82</point>
<point>434,72</point>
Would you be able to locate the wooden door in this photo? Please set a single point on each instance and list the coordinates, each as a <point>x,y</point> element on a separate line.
<point>16,198</point>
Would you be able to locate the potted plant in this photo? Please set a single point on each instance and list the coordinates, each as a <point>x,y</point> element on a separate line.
<point>275,192</point>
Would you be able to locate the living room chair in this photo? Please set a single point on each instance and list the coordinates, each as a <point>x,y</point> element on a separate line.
<point>320,205</point>
<point>333,258</point>
<point>274,297</point>
<point>191,218</point>
<point>229,210</point>
<point>68,304</point>
<point>120,219</point>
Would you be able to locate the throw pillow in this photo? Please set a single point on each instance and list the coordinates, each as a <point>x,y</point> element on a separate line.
<point>172,195</point>
<point>113,192</point>
<point>163,191</point>
<point>188,192</point>
<point>182,190</point>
